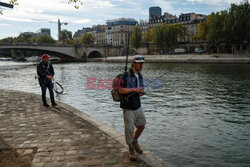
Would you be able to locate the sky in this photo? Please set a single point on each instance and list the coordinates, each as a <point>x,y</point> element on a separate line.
<point>31,15</point>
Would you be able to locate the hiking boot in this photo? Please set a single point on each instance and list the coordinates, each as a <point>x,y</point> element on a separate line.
<point>137,147</point>
<point>132,156</point>
<point>45,105</point>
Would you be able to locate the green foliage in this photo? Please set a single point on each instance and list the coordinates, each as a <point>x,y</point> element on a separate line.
<point>157,36</point>
<point>87,39</point>
<point>13,2</point>
<point>7,40</point>
<point>27,38</point>
<point>168,35</point>
<point>136,38</point>
<point>76,2</point>
<point>22,38</point>
<point>148,37</point>
<point>43,39</point>
<point>232,27</point>
<point>202,30</point>
<point>215,33</point>
<point>66,35</point>
<point>237,24</point>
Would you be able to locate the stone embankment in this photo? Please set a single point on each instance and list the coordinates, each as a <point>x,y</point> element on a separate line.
<point>187,58</point>
<point>62,136</point>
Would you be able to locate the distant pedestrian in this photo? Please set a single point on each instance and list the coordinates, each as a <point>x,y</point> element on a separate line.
<point>45,73</point>
<point>131,90</point>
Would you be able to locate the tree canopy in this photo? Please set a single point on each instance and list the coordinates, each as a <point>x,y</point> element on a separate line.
<point>167,35</point>
<point>87,39</point>
<point>66,36</point>
<point>136,38</point>
<point>230,27</point>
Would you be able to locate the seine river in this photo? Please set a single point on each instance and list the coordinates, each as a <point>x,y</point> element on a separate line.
<point>197,114</point>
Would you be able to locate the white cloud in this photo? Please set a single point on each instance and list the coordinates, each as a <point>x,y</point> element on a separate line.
<point>37,10</point>
<point>2,24</point>
<point>216,2</point>
<point>165,5</point>
<point>81,21</point>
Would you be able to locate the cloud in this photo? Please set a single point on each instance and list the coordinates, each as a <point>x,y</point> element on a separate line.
<point>82,21</point>
<point>3,24</point>
<point>216,2</point>
<point>34,10</point>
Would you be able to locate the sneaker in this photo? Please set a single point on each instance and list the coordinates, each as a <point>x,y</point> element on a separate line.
<point>45,105</point>
<point>54,104</point>
<point>137,147</point>
<point>132,156</point>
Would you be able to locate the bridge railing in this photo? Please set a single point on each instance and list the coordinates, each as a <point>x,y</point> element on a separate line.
<point>57,45</point>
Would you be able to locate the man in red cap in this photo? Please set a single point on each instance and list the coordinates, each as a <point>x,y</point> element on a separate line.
<point>45,73</point>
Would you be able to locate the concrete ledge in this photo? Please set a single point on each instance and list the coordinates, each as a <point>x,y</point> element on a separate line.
<point>186,58</point>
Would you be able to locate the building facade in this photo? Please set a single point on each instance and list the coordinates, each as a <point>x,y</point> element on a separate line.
<point>189,20</point>
<point>44,31</point>
<point>119,31</point>
<point>99,32</point>
<point>154,12</point>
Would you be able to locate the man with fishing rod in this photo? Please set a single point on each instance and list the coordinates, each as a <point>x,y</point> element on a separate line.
<point>45,73</point>
<point>131,89</point>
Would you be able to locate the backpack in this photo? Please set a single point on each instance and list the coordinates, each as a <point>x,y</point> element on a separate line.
<point>115,91</point>
<point>116,85</point>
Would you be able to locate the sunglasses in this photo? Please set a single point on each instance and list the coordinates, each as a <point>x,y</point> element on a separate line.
<point>139,58</point>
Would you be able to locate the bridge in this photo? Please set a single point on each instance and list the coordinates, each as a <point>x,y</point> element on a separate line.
<point>75,51</point>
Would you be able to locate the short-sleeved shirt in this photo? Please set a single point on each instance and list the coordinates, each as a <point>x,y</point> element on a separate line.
<point>132,100</point>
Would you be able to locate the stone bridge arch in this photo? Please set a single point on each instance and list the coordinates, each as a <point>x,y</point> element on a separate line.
<point>95,54</point>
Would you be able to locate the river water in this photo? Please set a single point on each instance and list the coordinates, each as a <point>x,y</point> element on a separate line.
<point>197,115</point>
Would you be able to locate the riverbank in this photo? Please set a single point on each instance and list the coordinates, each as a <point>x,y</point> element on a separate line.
<point>33,135</point>
<point>186,58</point>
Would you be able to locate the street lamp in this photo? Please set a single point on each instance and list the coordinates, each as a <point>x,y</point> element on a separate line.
<point>59,30</point>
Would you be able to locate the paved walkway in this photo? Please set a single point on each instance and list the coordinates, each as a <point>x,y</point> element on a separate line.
<point>37,136</point>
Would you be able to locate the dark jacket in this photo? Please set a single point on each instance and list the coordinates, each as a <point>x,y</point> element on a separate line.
<point>43,70</point>
<point>132,102</point>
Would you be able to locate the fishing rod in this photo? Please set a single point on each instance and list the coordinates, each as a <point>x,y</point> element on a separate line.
<point>143,93</point>
<point>127,50</point>
<point>58,88</point>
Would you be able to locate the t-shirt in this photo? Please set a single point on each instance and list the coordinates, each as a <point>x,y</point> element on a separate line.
<point>138,81</point>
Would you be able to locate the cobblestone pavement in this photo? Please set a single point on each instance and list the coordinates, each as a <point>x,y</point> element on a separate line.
<point>53,137</point>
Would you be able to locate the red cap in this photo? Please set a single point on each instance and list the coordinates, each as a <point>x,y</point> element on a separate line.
<point>45,56</point>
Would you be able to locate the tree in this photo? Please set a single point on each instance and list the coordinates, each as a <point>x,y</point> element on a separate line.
<point>202,30</point>
<point>22,38</point>
<point>157,36</point>
<point>215,33</point>
<point>180,30</point>
<point>7,40</point>
<point>136,38</point>
<point>43,39</point>
<point>66,36</point>
<point>237,24</point>
<point>87,39</point>
<point>76,2</point>
<point>148,37</point>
